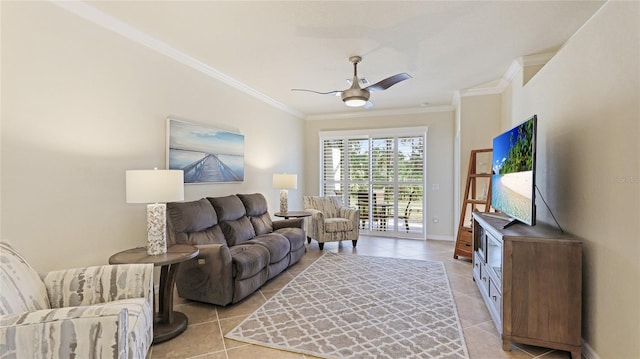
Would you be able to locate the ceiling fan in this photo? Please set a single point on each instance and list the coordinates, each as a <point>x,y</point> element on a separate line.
<point>355,96</point>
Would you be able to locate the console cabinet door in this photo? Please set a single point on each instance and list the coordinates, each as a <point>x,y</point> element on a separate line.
<point>545,291</point>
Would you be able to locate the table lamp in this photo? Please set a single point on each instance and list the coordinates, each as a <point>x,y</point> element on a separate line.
<point>155,187</point>
<point>284,182</point>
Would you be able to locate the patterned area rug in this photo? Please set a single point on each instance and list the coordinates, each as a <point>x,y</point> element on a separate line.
<point>351,306</point>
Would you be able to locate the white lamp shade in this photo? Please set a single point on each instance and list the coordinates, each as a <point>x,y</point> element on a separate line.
<point>285,181</point>
<point>153,186</point>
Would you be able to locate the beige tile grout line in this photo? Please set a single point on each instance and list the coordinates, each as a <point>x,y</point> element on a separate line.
<point>224,345</point>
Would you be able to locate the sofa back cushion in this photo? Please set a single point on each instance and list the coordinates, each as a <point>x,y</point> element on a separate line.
<point>213,235</point>
<point>193,223</point>
<point>237,231</point>
<point>21,289</point>
<point>229,208</point>
<point>235,224</point>
<point>258,212</point>
<point>192,216</point>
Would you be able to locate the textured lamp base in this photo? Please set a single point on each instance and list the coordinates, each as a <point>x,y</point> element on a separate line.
<point>156,229</point>
<point>283,201</point>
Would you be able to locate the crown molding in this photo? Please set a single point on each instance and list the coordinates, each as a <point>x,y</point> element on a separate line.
<point>537,59</point>
<point>111,23</point>
<point>516,67</point>
<point>380,113</point>
<point>492,88</point>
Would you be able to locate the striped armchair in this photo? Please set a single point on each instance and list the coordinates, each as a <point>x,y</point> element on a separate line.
<point>94,312</point>
<point>330,221</point>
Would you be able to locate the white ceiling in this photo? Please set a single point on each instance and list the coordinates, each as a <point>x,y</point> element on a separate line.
<point>271,47</point>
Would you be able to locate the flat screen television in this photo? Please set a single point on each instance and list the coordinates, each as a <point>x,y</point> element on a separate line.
<point>514,173</point>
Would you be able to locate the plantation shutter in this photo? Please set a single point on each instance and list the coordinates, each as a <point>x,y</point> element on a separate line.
<point>333,166</point>
<point>384,159</point>
<point>411,159</point>
<point>382,174</point>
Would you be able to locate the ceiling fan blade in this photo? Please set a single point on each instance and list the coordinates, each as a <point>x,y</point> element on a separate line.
<point>332,93</point>
<point>388,82</point>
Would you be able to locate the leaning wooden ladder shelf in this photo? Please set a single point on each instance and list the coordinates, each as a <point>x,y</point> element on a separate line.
<point>471,202</point>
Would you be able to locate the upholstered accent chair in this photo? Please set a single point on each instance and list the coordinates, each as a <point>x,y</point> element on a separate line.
<point>93,312</point>
<point>330,221</point>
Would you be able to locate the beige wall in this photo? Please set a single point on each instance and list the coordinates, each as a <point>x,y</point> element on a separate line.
<point>588,103</point>
<point>80,105</point>
<point>479,120</point>
<point>439,159</point>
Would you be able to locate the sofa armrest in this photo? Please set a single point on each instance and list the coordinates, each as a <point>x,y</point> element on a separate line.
<point>288,223</point>
<point>99,284</point>
<point>207,277</point>
<point>98,331</point>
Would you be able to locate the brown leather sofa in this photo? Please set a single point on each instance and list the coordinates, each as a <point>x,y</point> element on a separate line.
<point>240,246</point>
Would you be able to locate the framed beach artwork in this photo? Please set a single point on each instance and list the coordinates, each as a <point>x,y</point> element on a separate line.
<point>205,154</point>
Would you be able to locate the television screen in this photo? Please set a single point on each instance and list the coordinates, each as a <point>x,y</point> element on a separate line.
<point>513,175</point>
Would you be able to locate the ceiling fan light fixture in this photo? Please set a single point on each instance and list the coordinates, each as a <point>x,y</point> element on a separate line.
<point>355,96</point>
<point>355,101</point>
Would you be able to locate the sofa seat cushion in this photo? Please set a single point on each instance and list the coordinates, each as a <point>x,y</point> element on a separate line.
<point>248,260</point>
<point>296,237</point>
<point>277,244</point>
<point>333,225</point>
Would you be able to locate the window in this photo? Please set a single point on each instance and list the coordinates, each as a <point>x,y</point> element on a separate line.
<point>380,172</point>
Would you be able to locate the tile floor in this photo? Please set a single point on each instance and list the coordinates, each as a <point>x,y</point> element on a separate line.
<point>204,339</point>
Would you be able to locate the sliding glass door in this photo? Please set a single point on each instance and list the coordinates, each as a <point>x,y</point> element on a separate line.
<point>380,172</point>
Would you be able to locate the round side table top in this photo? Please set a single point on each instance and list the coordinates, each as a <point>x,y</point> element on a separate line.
<point>293,214</point>
<point>175,254</point>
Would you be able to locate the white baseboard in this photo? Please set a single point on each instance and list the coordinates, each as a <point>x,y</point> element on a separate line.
<point>588,352</point>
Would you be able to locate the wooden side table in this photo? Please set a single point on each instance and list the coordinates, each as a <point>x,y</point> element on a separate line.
<point>293,214</point>
<point>168,323</point>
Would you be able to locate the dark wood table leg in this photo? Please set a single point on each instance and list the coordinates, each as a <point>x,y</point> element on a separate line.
<point>168,323</point>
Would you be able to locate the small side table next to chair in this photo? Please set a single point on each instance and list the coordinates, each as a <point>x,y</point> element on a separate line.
<point>168,323</point>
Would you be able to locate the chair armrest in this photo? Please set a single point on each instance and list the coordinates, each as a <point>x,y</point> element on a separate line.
<point>353,215</point>
<point>315,213</point>
<point>89,331</point>
<point>287,223</point>
<point>99,284</point>
<point>315,225</point>
<point>349,213</point>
